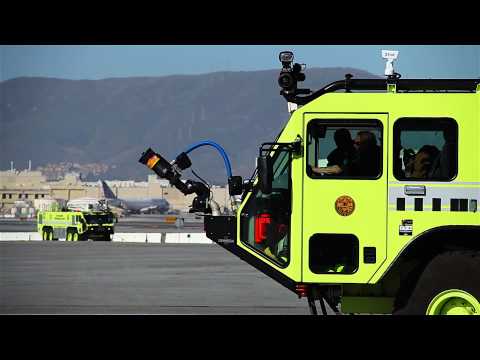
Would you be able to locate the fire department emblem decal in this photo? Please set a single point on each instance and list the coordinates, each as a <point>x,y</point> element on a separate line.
<point>344,205</point>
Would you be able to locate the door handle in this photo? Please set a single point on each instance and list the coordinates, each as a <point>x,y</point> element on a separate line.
<point>412,190</point>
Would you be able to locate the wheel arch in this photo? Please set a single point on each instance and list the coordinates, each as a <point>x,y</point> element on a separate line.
<point>442,238</point>
<point>410,263</point>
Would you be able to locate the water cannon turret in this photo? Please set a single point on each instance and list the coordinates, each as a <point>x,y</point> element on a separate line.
<point>172,172</point>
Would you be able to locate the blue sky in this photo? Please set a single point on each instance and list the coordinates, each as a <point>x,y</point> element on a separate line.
<point>105,61</point>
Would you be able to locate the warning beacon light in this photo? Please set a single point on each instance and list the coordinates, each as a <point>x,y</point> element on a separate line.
<point>390,56</point>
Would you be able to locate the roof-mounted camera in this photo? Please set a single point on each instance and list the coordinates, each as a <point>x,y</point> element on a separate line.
<point>290,75</point>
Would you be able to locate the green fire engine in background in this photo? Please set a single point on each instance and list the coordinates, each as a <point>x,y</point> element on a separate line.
<point>76,225</point>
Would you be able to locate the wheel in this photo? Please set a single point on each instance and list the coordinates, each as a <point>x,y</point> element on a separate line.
<point>50,234</point>
<point>69,236</point>
<point>74,235</point>
<point>454,302</point>
<point>449,285</point>
<point>44,235</point>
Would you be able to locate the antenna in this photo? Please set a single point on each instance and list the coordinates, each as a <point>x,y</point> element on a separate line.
<point>390,56</point>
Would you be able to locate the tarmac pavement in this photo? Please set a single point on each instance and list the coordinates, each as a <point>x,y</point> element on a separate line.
<point>134,278</point>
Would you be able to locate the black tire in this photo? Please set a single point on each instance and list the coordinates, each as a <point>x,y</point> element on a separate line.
<point>49,233</point>
<point>446,271</point>
<point>74,233</point>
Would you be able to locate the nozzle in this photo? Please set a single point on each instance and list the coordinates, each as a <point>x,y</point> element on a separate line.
<point>158,164</point>
<point>162,168</point>
<point>146,155</point>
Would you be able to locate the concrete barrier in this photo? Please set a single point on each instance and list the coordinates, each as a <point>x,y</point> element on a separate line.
<point>35,236</point>
<point>21,236</point>
<point>196,238</point>
<point>15,236</point>
<point>172,238</point>
<point>153,238</point>
<point>187,238</point>
<point>130,237</point>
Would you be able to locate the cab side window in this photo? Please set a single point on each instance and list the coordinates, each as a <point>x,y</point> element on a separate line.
<point>425,148</point>
<point>344,149</point>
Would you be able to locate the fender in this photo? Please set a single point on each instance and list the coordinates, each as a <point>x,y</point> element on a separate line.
<point>426,245</point>
<point>410,263</point>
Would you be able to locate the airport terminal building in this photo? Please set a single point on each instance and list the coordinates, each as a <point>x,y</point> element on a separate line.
<point>25,188</point>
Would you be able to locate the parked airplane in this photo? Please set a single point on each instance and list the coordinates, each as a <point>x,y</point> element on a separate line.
<point>140,206</point>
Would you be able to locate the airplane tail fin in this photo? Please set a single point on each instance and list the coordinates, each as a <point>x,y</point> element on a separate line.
<point>106,192</point>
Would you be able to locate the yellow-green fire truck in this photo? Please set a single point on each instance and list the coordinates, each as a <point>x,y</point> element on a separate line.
<point>76,225</point>
<point>367,200</point>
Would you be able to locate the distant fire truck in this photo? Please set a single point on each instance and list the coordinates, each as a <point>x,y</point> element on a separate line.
<point>77,225</point>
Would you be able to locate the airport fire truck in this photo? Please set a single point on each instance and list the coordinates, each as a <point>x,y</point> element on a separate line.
<point>76,225</point>
<point>367,201</point>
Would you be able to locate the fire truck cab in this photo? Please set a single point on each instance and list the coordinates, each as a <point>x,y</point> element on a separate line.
<point>395,231</point>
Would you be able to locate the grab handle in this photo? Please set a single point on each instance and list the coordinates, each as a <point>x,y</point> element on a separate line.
<point>412,190</point>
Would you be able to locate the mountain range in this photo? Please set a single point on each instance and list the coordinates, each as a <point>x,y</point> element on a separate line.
<point>112,121</point>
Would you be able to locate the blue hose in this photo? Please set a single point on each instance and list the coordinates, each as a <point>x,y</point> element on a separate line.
<point>220,150</point>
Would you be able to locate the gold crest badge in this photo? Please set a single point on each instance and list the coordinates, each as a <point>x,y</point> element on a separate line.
<point>344,205</point>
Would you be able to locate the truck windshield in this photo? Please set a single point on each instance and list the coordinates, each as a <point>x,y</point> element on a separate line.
<point>265,225</point>
<point>98,219</point>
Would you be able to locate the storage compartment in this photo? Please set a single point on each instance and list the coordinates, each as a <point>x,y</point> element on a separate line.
<point>333,253</point>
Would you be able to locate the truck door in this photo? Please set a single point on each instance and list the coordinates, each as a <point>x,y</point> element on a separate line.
<point>269,231</point>
<point>344,197</point>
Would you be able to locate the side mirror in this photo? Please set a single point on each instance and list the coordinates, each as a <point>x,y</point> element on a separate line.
<point>265,174</point>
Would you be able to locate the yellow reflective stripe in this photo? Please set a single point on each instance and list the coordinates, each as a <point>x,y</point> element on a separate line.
<point>58,222</point>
